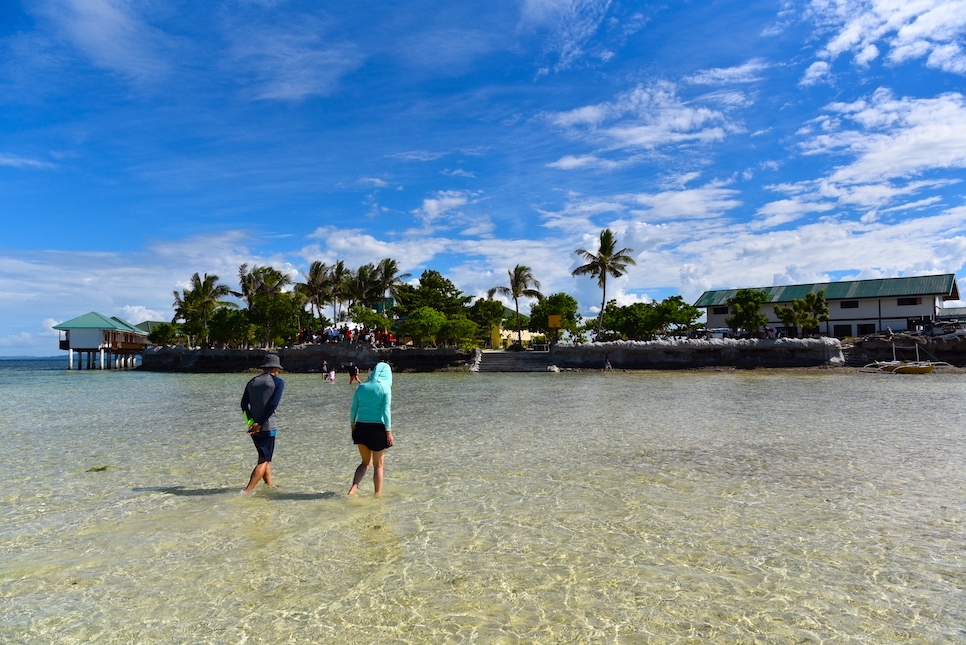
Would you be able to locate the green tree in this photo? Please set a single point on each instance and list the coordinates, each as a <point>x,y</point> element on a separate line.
<point>637,321</point>
<point>165,334</point>
<point>459,331</point>
<point>804,313</point>
<point>423,325</point>
<point>389,279</point>
<point>557,304</point>
<point>746,305</point>
<point>232,328</point>
<point>434,291</point>
<point>369,318</point>
<point>789,317</point>
<point>362,287</point>
<point>316,291</point>
<point>817,309</point>
<point>263,289</point>
<point>195,304</point>
<point>608,260</point>
<point>677,318</point>
<point>522,285</point>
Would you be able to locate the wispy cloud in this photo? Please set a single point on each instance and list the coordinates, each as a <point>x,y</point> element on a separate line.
<point>646,118</point>
<point>112,34</point>
<point>14,161</point>
<point>749,72</point>
<point>290,61</point>
<point>930,29</point>
<point>895,137</point>
<point>571,24</point>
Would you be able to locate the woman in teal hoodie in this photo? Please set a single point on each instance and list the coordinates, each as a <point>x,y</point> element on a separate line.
<point>371,423</point>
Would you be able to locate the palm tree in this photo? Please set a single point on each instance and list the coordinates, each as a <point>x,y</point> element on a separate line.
<point>316,290</point>
<point>362,287</point>
<point>200,300</point>
<point>260,287</point>
<point>339,275</point>
<point>607,261</point>
<point>521,281</point>
<point>389,279</point>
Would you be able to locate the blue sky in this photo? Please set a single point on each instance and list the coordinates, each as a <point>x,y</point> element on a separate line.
<point>729,143</point>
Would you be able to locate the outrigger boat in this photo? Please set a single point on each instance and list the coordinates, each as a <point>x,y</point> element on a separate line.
<point>896,366</point>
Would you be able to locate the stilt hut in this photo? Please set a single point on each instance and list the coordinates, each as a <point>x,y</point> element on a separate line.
<point>101,342</point>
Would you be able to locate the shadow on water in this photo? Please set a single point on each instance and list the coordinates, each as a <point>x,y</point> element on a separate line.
<point>182,491</point>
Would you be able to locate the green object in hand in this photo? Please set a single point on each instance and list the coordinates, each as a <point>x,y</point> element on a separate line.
<point>248,419</point>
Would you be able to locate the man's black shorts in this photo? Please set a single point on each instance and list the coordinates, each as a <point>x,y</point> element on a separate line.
<point>264,444</point>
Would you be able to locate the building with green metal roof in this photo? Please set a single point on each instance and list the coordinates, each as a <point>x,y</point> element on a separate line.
<point>856,307</point>
<point>106,341</point>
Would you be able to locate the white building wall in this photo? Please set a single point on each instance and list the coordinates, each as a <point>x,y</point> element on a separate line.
<point>893,316</point>
<point>86,338</point>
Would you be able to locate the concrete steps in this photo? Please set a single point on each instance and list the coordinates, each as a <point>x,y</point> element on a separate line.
<point>499,361</point>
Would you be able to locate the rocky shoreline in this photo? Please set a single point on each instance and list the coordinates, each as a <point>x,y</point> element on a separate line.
<point>623,355</point>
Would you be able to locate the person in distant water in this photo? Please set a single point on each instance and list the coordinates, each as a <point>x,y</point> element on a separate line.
<point>371,421</point>
<point>353,373</point>
<point>260,400</point>
<point>325,369</point>
<point>607,366</point>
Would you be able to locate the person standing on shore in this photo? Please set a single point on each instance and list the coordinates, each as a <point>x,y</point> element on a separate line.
<point>259,402</point>
<point>371,421</point>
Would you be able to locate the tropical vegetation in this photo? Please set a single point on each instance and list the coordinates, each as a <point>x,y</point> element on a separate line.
<point>273,307</point>
<point>608,260</point>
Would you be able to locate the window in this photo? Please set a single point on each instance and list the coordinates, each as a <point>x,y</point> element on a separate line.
<point>841,331</point>
<point>866,330</point>
<point>849,304</point>
<point>720,310</point>
<point>905,302</point>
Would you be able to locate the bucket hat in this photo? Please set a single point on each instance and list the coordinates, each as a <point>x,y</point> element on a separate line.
<point>271,360</point>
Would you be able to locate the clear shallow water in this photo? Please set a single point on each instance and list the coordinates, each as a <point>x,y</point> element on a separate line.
<point>777,507</point>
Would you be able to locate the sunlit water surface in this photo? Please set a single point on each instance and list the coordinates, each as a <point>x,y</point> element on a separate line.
<point>782,507</point>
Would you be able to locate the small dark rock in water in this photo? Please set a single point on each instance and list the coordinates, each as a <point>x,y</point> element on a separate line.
<point>97,469</point>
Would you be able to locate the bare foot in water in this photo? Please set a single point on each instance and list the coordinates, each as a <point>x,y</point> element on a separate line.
<point>353,490</point>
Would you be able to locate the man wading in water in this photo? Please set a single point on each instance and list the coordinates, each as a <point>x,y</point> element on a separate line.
<point>262,395</point>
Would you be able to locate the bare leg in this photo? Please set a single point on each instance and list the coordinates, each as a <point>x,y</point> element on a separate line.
<point>361,469</point>
<point>267,476</point>
<point>377,470</point>
<point>262,470</point>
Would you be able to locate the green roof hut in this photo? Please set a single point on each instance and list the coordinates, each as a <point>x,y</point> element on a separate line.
<point>107,341</point>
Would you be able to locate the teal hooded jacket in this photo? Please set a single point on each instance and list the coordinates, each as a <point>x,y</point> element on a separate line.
<point>373,399</point>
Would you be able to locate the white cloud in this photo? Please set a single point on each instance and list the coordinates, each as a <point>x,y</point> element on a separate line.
<point>356,248</point>
<point>644,119</point>
<point>712,200</point>
<point>445,203</point>
<point>570,25</point>
<point>933,29</point>
<point>292,61</point>
<point>135,314</point>
<point>580,162</point>
<point>112,35</point>
<point>896,138</point>
<point>14,161</point>
<point>817,72</point>
<point>749,72</point>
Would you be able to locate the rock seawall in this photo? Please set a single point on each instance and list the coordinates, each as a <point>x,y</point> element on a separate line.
<point>685,354</point>
<point>690,354</point>
<point>307,358</point>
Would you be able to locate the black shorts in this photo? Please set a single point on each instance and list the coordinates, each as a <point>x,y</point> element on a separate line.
<point>264,444</point>
<point>370,435</point>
